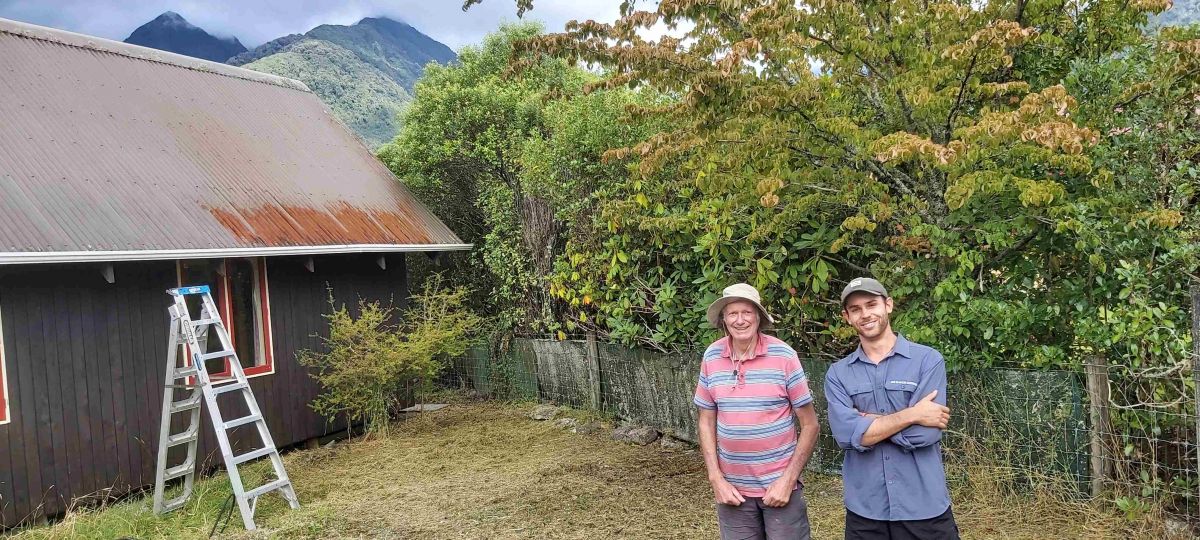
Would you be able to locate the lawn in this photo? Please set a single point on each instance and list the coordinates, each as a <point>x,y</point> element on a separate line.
<point>485,470</point>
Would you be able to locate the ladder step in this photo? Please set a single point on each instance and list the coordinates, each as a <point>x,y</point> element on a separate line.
<point>184,386</point>
<point>215,355</point>
<point>184,437</point>
<point>238,460</point>
<point>175,503</point>
<point>218,390</point>
<point>266,488</point>
<point>184,291</point>
<point>185,371</point>
<point>187,404</point>
<point>242,421</point>
<point>205,322</point>
<point>180,470</point>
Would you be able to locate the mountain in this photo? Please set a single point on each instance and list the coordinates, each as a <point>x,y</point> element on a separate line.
<point>362,97</point>
<point>265,50</point>
<point>395,48</point>
<point>365,72</point>
<point>171,32</point>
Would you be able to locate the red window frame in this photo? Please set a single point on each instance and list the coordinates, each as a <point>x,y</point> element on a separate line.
<point>225,306</point>
<point>5,416</point>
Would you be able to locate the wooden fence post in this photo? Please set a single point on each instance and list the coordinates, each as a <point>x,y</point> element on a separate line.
<point>593,362</point>
<point>1098,398</point>
<point>1195,289</point>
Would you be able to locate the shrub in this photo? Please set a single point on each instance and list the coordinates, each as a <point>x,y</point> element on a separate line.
<point>368,360</point>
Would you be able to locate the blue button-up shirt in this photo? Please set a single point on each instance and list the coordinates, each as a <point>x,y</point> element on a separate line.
<point>901,478</point>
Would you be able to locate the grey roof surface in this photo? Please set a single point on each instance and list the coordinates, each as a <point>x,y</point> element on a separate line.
<point>110,151</point>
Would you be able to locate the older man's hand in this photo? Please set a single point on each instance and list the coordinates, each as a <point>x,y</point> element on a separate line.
<point>725,493</point>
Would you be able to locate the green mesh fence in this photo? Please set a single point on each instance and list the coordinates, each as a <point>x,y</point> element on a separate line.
<point>1031,422</point>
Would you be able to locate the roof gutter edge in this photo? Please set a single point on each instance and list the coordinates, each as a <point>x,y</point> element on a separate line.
<point>7,258</point>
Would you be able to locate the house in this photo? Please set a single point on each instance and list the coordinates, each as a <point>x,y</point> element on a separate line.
<point>125,171</point>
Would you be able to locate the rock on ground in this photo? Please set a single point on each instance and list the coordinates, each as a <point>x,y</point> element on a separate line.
<point>642,435</point>
<point>544,412</point>
<point>1179,528</point>
<point>621,433</point>
<point>671,443</point>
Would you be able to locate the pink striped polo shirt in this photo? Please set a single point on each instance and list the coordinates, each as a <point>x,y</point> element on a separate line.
<point>756,432</point>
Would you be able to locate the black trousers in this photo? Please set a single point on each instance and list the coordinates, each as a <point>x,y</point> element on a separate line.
<point>938,528</point>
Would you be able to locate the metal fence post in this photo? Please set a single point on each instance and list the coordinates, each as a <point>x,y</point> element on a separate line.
<point>1097,387</point>
<point>593,362</point>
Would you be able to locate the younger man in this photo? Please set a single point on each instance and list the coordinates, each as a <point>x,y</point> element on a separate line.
<point>887,409</point>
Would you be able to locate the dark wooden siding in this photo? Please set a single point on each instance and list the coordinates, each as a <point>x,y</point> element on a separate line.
<point>85,362</point>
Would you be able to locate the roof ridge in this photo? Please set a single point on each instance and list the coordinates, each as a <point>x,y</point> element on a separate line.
<point>84,41</point>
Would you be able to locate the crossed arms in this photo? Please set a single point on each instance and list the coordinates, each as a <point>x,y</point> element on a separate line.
<point>919,425</point>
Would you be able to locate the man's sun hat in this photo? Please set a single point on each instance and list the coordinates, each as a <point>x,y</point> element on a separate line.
<point>863,284</point>
<point>734,293</point>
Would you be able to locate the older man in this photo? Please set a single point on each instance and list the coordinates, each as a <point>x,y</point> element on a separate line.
<point>750,386</point>
<point>887,408</point>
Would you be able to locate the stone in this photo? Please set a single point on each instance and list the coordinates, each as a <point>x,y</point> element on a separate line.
<point>587,429</point>
<point>671,443</point>
<point>1178,528</point>
<point>643,435</point>
<point>544,412</point>
<point>566,423</point>
<point>425,407</point>
<point>621,433</point>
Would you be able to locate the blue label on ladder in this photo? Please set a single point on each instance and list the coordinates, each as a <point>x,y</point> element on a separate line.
<point>198,289</point>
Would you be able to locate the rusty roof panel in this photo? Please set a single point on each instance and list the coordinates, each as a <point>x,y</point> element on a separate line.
<point>109,147</point>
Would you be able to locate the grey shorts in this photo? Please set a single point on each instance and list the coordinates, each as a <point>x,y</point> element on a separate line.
<point>753,521</point>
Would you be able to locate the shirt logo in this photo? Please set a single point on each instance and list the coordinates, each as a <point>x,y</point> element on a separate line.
<point>910,383</point>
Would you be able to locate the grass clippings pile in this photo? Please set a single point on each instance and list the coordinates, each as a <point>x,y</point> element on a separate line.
<point>485,470</point>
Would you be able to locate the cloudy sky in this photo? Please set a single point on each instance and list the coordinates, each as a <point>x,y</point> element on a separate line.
<point>255,22</point>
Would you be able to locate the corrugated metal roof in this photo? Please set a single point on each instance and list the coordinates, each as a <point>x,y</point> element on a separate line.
<point>110,151</point>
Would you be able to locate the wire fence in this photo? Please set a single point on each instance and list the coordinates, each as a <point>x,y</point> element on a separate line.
<point>1110,431</point>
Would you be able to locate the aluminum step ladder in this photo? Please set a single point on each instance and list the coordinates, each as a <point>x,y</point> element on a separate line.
<point>192,379</point>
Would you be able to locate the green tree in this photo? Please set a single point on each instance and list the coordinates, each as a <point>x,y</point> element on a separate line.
<point>933,145</point>
<point>510,164</point>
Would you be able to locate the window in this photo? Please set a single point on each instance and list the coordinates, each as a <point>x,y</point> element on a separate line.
<point>4,414</point>
<point>239,288</point>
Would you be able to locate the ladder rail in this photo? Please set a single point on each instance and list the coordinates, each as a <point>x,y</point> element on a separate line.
<point>164,430</point>
<point>248,503</point>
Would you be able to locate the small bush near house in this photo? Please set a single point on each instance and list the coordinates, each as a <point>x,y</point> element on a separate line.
<point>369,360</point>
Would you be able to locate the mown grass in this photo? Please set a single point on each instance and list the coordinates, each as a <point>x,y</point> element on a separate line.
<point>484,470</point>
